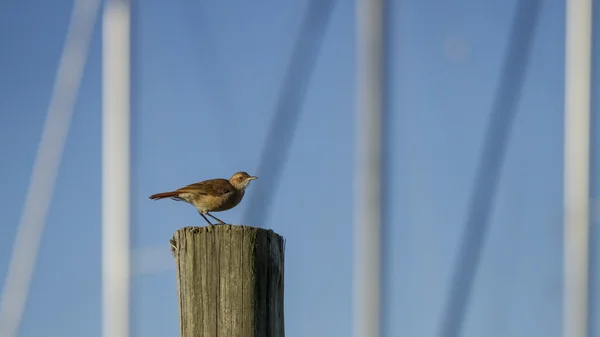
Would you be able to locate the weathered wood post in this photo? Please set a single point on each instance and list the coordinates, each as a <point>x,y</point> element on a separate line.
<point>229,281</point>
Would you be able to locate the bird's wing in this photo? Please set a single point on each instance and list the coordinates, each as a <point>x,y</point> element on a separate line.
<point>214,187</point>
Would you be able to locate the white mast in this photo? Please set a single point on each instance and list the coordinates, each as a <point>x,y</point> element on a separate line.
<point>115,168</point>
<point>367,231</point>
<point>46,167</point>
<point>576,167</point>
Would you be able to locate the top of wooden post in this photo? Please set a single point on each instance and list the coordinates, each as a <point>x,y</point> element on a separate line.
<point>230,281</point>
<point>219,229</point>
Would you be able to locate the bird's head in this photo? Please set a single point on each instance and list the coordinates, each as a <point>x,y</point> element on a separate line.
<point>241,179</point>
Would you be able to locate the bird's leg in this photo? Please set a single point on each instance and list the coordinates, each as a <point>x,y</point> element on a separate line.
<point>214,217</point>
<point>210,223</point>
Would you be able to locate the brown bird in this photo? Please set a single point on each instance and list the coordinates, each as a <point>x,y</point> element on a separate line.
<point>214,195</point>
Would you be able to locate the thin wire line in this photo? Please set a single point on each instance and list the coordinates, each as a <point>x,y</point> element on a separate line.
<point>288,107</point>
<point>206,50</point>
<point>386,164</point>
<point>493,153</point>
<point>594,190</point>
<point>46,166</point>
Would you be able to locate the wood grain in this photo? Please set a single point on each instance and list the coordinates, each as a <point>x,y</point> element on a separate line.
<point>230,281</point>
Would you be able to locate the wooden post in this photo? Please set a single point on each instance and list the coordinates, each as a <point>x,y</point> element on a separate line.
<point>229,281</point>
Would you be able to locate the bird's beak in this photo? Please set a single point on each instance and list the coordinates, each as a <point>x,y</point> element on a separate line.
<point>253,177</point>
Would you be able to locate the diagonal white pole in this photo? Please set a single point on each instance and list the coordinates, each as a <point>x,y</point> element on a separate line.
<point>367,226</point>
<point>115,168</point>
<point>576,167</point>
<point>46,166</point>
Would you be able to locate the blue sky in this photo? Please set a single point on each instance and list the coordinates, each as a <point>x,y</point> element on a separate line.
<point>203,70</point>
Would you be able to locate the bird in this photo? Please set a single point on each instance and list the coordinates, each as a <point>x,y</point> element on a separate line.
<point>213,195</point>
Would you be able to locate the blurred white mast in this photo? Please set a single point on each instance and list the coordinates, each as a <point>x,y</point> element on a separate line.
<point>47,163</point>
<point>115,168</point>
<point>576,167</point>
<point>367,231</point>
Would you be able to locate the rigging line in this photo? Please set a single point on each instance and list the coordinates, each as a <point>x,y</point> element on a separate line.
<point>46,166</point>
<point>492,157</point>
<point>389,36</point>
<point>288,107</point>
<point>215,80</point>
<point>594,186</point>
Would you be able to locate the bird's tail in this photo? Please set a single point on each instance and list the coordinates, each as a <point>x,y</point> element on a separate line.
<point>163,195</point>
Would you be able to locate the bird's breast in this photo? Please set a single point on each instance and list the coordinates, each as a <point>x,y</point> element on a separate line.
<point>220,203</point>
<point>236,198</point>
